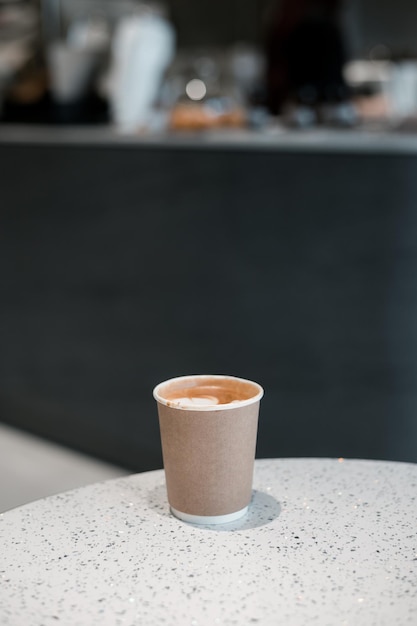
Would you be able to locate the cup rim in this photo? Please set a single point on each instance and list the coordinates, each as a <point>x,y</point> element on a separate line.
<point>214,407</point>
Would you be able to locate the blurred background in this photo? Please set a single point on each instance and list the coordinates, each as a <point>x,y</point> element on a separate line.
<point>152,67</point>
<point>212,187</point>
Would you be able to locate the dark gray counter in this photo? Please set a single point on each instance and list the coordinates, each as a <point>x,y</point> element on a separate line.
<point>121,267</point>
<point>376,139</point>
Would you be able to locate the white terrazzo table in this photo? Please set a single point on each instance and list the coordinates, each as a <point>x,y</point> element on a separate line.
<point>327,542</point>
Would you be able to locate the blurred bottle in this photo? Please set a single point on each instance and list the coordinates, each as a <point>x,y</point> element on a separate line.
<point>143,47</point>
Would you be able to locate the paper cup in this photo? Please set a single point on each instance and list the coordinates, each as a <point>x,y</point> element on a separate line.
<point>208,449</point>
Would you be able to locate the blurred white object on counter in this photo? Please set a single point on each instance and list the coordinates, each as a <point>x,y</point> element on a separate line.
<point>143,47</point>
<point>394,85</point>
<point>73,62</point>
<point>70,71</point>
<point>247,68</point>
<point>402,89</point>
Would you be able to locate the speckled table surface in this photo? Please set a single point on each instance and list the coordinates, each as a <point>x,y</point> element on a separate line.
<point>325,542</point>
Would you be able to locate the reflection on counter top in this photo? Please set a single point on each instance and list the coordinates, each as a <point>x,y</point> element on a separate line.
<point>367,140</point>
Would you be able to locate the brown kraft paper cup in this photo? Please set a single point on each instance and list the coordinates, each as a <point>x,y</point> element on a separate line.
<point>209,455</point>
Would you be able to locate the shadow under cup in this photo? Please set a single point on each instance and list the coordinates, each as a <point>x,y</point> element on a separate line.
<point>208,449</point>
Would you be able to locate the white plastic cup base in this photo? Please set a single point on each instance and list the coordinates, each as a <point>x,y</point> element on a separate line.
<point>209,519</point>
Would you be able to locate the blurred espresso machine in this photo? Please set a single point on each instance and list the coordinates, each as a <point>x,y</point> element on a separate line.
<point>305,59</point>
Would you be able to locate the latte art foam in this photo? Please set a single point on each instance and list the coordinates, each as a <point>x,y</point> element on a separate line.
<point>203,401</point>
<point>205,395</point>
